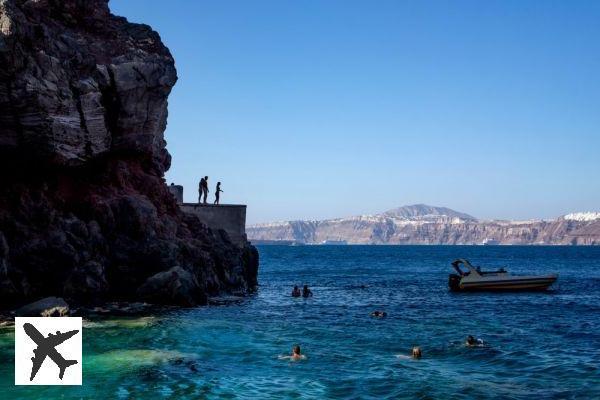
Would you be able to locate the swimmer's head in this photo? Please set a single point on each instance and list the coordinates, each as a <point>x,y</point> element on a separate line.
<point>471,340</point>
<point>296,350</point>
<point>416,352</point>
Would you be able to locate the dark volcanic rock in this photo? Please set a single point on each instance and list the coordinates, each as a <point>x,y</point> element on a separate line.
<point>175,286</point>
<point>47,307</point>
<point>84,209</point>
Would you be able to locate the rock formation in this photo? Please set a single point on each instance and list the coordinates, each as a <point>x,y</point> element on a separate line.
<point>85,213</point>
<point>422,224</point>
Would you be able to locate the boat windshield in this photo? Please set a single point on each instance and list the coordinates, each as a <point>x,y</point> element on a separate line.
<point>469,268</point>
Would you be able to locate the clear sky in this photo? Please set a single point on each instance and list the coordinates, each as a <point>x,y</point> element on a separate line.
<point>318,109</point>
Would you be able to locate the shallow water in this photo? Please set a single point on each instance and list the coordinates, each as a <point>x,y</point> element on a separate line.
<point>538,345</point>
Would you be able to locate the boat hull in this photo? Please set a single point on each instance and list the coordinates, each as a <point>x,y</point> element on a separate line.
<point>513,284</point>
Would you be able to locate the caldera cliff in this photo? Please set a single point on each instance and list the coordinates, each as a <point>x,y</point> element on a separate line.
<point>423,224</point>
<point>84,210</point>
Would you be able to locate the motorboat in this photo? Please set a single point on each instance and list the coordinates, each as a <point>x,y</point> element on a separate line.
<point>470,278</point>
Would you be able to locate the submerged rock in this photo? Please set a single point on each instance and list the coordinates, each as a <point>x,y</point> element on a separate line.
<point>138,358</point>
<point>119,323</point>
<point>125,309</point>
<point>47,307</point>
<point>85,212</point>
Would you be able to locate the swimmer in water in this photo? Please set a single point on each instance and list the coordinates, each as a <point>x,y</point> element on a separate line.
<point>306,292</point>
<point>471,341</point>
<point>296,291</point>
<point>379,314</point>
<point>416,352</point>
<point>295,356</point>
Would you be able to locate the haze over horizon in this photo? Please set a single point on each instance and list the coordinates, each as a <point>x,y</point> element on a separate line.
<point>320,110</point>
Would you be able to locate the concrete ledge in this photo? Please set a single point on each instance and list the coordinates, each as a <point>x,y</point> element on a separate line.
<point>229,217</point>
<point>177,192</point>
<point>200,205</point>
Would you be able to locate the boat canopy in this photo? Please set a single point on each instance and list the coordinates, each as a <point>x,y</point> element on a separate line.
<point>456,264</point>
<point>471,269</point>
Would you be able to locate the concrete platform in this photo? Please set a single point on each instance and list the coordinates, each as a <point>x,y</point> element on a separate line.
<point>229,217</point>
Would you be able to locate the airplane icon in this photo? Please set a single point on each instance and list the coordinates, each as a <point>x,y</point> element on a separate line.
<point>46,347</point>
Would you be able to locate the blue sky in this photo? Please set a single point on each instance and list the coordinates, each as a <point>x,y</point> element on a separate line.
<point>318,109</point>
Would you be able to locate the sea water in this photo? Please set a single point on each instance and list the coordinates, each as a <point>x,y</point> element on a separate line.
<point>537,345</point>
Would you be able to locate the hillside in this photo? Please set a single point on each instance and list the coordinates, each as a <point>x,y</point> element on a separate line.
<point>423,224</point>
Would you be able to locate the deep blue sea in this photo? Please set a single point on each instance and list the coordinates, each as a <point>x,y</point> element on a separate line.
<point>537,345</point>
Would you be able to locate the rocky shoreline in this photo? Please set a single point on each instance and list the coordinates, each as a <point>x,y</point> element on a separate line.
<point>58,307</point>
<point>85,213</point>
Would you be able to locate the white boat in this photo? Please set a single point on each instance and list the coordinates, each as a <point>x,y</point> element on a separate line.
<point>490,242</point>
<point>329,242</point>
<point>475,279</point>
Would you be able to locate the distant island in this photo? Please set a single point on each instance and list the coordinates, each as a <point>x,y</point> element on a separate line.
<point>423,224</point>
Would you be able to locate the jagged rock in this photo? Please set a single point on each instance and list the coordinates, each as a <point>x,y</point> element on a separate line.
<point>87,283</point>
<point>84,209</point>
<point>81,82</point>
<point>6,286</point>
<point>47,307</point>
<point>175,286</point>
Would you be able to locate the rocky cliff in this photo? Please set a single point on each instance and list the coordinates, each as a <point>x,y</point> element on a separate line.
<point>84,209</point>
<point>422,224</point>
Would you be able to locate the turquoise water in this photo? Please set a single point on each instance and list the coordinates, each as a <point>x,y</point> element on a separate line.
<point>539,345</point>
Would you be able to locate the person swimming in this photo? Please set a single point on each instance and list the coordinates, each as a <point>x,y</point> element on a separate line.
<point>472,341</point>
<point>296,291</point>
<point>306,292</point>
<point>295,356</point>
<point>379,314</point>
<point>416,352</point>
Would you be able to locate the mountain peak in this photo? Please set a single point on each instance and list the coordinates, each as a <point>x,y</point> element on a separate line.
<point>424,211</point>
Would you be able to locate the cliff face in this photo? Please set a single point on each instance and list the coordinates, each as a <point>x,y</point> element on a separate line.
<point>84,209</point>
<point>420,224</point>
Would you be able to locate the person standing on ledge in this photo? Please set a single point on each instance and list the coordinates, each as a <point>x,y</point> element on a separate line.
<point>217,191</point>
<point>205,188</point>
<point>201,190</point>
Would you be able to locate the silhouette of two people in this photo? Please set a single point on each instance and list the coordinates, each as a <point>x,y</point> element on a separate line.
<point>306,292</point>
<point>203,191</point>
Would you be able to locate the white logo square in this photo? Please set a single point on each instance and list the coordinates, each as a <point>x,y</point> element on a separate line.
<point>48,351</point>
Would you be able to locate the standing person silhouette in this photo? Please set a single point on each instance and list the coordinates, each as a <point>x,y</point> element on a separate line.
<point>205,188</point>
<point>217,191</point>
<point>201,190</point>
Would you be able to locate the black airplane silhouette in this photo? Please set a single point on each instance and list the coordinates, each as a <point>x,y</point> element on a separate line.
<point>46,347</point>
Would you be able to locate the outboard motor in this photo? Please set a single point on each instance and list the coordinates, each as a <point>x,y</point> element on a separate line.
<point>454,282</point>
